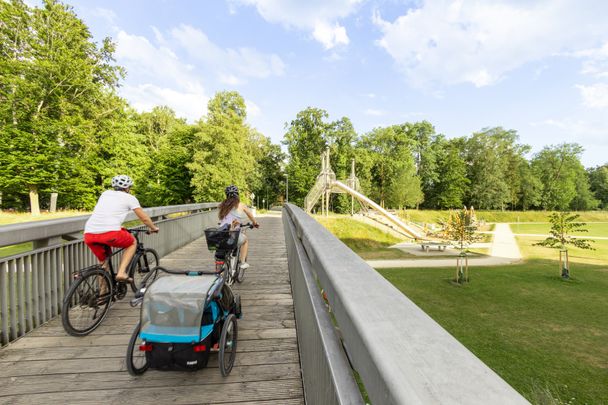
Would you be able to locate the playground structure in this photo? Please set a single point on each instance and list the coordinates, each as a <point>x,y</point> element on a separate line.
<point>326,184</point>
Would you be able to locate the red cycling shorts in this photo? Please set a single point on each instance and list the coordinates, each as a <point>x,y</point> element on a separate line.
<point>96,241</point>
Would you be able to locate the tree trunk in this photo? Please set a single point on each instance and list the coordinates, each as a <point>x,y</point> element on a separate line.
<point>34,204</point>
<point>53,206</point>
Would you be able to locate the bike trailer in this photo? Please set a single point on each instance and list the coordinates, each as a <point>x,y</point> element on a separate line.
<point>179,317</point>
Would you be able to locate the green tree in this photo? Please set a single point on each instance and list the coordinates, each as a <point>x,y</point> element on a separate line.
<point>306,138</point>
<point>221,149</point>
<point>530,187</point>
<point>393,169</point>
<point>271,184</point>
<point>562,225</point>
<point>557,168</point>
<point>488,154</point>
<point>53,75</point>
<point>449,189</point>
<point>168,141</point>
<point>598,181</point>
<point>425,156</point>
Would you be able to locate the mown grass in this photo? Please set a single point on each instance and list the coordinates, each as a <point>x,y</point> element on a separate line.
<point>18,217</point>
<point>545,336</point>
<point>593,228</point>
<point>434,216</point>
<point>366,240</point>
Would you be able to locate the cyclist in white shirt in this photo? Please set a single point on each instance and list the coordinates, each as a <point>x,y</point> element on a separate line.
<point>104,227</point>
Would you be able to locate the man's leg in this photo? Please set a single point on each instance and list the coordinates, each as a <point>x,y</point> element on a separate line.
<point>127,255</point>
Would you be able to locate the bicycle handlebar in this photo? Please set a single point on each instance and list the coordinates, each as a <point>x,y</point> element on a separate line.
<point>187,272</point>
<point>147,231</point>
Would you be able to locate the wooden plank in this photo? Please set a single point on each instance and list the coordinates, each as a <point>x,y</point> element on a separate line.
<point>19,267</point>
<point>91,351</point>
<point>29,308</point>
<point>11,386</point>
<point>4,336</point>
<point>48,366</point>
<point>220,393</point>
<point>35,292</point>
<point>115,361</point>
<point>246,331</point>
<point>12,298</point>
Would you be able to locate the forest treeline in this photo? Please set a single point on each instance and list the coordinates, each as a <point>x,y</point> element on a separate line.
<point>64,129</point>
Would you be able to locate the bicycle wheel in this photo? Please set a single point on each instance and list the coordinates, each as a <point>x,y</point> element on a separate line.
<point>142,269</point>
<point>227,274</point>
<point>137,362</point>
<point>240,273</point>
<point>228,340</point>
<point>87,302</point>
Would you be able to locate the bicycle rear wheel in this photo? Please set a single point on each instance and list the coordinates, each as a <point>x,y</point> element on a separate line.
<point>87,302</point>
<point>142,270</point>
<point>228,340</point>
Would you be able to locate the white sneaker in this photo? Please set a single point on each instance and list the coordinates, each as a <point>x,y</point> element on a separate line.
<point>244,265</point>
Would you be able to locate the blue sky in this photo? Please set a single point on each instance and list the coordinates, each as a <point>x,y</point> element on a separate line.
<point>539,67</point>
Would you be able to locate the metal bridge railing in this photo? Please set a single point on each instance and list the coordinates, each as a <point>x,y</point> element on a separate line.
<point>32,284</point>
<point>401,354</point>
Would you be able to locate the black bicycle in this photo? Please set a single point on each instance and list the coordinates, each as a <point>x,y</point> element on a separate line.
<point>227,252</point>
<point>87,301</point>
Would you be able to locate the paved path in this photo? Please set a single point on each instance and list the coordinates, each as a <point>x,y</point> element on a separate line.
<point>503,250</point>
<point>47,366</point>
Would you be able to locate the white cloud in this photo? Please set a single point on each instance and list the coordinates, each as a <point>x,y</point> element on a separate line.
<point>595,95</point>
<point>374,112</point>
<point>590,131</point>
<point>319,17</point>
<point>232,66</point>
<point>450,42</point>
<point>106,14</point>
<point>253,110</point>
<point>190,105</point>
<point>175,83</point>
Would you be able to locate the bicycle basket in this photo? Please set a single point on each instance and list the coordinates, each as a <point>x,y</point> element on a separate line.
<point>221,239</point>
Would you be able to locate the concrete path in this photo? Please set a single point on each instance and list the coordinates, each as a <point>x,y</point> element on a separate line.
<point>503,250</point>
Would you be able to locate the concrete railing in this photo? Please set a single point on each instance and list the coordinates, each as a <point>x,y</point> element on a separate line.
<point>402,355</point>
<point>32,284</point>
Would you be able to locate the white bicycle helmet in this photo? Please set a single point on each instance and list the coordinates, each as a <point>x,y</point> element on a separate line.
<point>232,191</point>
<point>121,181</point>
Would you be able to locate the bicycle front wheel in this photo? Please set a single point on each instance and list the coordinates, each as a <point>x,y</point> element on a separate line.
<point>87,302</point>
<point>143,268</point>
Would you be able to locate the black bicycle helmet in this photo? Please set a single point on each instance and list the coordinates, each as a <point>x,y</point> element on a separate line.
<point>231,191</point>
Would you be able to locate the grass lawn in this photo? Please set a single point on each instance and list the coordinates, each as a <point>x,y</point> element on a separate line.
<point>16,217</point>
<point>434,216</point>
<point>368,241</point>
<point>594,228</point>
<point>545,336</point>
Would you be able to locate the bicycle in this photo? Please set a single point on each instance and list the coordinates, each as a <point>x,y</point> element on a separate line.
<point>87,301</point>
<point>227,252</point>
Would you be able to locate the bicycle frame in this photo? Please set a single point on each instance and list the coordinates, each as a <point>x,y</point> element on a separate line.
<point>111,253</point>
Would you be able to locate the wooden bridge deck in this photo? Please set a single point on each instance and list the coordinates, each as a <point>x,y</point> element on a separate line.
<point>48,366</point>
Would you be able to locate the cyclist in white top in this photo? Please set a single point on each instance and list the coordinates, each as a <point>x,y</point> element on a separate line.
<point>230,213</point>
<point>104,227</point>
